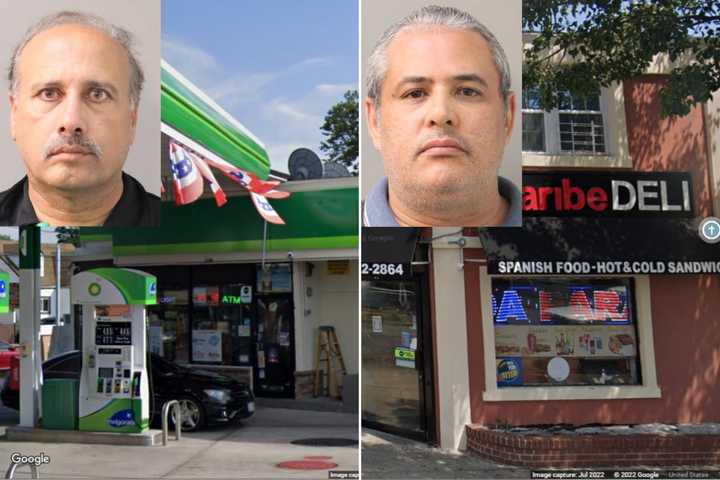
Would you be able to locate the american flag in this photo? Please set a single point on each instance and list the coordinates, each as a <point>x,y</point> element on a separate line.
<point>189,169</point>
<point>187,183</point>
<point>265,209</point>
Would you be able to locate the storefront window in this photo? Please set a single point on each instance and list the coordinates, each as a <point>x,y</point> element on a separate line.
<point>222,324</point>
<point>564,332</point>
<point>274,278</point>
<point>168,326</point>
<point>391,393</point>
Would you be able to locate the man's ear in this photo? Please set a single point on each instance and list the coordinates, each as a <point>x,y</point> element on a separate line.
<point>13,105</point>
<point>373,123</point>
<point>133,122</point>
<point>509,115</point>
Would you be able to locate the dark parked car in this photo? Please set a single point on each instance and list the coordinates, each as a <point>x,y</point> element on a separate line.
<point>205,397</point>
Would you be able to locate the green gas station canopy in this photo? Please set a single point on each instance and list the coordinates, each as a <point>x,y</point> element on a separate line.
<point>186,109</point>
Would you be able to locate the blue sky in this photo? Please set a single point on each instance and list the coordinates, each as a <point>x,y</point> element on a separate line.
<point>277,66</point>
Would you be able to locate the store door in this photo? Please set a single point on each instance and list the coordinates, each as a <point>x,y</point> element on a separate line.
<point>397,389</point>
<point>275,372</point>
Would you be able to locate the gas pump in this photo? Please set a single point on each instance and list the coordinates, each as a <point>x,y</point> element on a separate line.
<point>114,394</point>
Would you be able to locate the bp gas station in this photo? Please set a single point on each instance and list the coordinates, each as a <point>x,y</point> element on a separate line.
<point>110,403</point>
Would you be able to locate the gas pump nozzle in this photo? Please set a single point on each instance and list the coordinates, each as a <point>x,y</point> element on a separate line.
<point>136,384</point>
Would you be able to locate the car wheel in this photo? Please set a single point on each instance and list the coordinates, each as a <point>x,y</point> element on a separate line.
<point>193,415</point>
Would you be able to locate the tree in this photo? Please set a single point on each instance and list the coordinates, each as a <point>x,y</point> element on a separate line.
<point>341,131</point>
<point>613,40</point>
<point>5,237</point>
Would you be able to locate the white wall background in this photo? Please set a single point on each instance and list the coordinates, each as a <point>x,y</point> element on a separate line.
<point>503,19</point>
<point>334,302</point>
<point>142,18</point>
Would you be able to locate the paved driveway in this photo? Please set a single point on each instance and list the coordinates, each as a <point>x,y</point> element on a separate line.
<point>388,456</point>
<point>251,450</point>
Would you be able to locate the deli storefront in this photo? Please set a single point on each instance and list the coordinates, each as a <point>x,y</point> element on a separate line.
<point>592,327</point>
<point>569,321</point>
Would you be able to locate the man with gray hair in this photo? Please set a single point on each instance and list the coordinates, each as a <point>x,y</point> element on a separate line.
<point>74,92</point>
<point>440,112</point>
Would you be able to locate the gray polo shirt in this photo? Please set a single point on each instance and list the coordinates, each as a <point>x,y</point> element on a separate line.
<point>377,213</point>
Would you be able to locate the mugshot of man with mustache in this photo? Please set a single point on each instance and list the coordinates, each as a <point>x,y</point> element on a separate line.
<point>440,112</point>
<point>74,92</point>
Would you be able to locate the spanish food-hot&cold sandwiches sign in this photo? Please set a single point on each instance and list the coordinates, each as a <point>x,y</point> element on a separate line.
<point>607,267</point>
<point>607,194</point>
<point>579,246</point>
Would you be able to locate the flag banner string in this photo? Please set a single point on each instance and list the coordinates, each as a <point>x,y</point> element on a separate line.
<point>190,170</point>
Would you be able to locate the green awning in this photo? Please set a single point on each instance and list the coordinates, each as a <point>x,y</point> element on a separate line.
<point>319,219</point>
<point>185,108</point>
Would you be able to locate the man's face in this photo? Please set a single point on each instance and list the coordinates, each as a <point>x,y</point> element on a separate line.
<point>73,92</point>
<point>442,123</point>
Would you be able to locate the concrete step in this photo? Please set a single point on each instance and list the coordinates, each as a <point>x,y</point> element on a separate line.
<point>26,434</point>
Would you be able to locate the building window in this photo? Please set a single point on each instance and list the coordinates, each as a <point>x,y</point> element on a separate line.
<point>621,320</point>
<point>533,122</point>
<point>575,127</point>
<point>45,305</point>
<point>565,332</point>
<point>168,325</point>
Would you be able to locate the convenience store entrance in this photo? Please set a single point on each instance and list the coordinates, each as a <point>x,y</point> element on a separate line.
<point>235,319</point>
<point>397,390</point>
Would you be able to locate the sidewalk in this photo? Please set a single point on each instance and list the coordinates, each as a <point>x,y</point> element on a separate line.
<point>251,450</point>
<point>388,456</point>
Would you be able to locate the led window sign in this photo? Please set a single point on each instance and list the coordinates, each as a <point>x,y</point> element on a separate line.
<point>564,332</point>
<point>603,302</point>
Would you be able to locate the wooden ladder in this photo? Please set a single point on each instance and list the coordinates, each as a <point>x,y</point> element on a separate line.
<point>328,358</point>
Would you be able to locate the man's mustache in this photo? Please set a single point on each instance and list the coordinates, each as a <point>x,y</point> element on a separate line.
<point>55,144</point>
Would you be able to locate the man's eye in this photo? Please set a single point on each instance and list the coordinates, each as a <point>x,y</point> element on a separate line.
<point>49,94</point>
<point>98,95</point>
<point>414,94</point>
<point>468,92</point>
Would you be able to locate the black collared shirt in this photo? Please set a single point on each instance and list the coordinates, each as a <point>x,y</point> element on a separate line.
<point>136,207</point>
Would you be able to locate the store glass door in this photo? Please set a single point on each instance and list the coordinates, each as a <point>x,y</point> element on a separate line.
<point>274,375</point>
<point>395,396</point>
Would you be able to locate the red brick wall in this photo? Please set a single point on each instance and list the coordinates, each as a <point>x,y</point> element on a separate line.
<point>686,329</point>
<point>658,144</point>
<point>594,450</point>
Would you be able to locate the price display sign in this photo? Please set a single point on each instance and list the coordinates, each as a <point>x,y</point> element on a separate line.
<point>113,333</point>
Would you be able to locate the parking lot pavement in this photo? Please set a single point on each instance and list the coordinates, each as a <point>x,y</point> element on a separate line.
<point>388,457</point>
<point>250,450</point>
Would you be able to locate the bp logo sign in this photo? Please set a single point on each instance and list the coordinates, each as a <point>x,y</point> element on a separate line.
<point>94,289</point>
<point>121,418</point>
